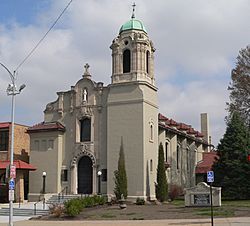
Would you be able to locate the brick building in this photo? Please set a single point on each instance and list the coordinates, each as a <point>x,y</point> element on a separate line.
<point>21,160</point>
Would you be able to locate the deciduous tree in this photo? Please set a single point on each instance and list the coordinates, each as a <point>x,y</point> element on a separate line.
<point>240,86</point>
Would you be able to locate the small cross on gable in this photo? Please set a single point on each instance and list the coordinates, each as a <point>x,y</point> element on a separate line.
<point>86,72</point>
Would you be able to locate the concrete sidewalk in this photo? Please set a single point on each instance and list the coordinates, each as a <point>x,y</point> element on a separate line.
<point>242,221</point>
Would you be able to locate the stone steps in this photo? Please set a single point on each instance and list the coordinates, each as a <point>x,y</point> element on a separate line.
<point>23,212</point>
<point>55,199</point>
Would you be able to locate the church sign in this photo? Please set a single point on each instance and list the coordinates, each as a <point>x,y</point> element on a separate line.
<point>201,199</point>
<point>200,195</point>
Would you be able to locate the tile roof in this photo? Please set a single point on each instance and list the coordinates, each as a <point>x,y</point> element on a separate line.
<point>206,163</point>
<point>179,127</point>
<point>19,165</point>
<point>4,125</point>
<point>46,126</point>
<point>183,126</point>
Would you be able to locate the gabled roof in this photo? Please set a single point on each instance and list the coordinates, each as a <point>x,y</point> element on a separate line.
<point>208,159</point>
<point>19,165</point>
<point>46,127</point>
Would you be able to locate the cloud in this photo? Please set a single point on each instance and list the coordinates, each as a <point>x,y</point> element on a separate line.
<point>196,44</point>
<point>186,103</point>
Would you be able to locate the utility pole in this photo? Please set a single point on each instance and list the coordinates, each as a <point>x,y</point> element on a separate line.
<point>12,91</point>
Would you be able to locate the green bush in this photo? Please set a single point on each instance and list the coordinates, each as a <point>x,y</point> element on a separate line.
<point>73,207</point>
<point>99,200</point>
<point>88,201</point>
<point>140,201</point>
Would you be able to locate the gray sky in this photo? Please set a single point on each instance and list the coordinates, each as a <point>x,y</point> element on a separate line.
<point>196,41</point>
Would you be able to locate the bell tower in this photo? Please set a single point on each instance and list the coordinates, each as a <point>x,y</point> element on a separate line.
<point>132,54</point>
<point>132,110</point>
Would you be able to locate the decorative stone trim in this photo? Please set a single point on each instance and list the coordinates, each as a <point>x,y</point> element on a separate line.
<point>84,111</point>
<point>80,154</point>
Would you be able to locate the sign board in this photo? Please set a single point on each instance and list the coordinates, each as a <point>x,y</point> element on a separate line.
<point>11,195</point>
<point>201,199</point>
<point>11,184</point>
<point>13,171</point>
<point>210,176</point>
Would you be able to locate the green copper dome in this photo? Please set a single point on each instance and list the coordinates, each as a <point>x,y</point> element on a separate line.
<point>132,24</point>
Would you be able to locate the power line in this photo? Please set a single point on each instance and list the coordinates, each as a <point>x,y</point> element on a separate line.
<point>30,53</point>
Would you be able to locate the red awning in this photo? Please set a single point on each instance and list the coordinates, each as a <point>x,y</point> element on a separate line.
<point>20,165</point>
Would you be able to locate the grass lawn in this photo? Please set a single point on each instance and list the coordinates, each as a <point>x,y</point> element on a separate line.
<point>227,208</point>
<point>172,210</point>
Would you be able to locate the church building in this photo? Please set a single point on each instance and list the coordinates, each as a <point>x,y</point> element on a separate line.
<point>83,130</point>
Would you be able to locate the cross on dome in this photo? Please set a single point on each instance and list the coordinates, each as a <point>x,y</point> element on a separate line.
<point>133,13</point>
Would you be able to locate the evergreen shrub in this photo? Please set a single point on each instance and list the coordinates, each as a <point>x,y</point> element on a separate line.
<point>140,201</point>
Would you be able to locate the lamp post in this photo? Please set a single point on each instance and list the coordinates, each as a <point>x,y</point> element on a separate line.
<point>44,181</point>
<point>99,174</point>
<point>12,91</point>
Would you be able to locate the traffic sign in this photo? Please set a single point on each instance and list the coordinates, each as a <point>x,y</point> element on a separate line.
<point>11,184</point>
<point>210,176</point>
<point>13,171</point>
<point>11,195</point>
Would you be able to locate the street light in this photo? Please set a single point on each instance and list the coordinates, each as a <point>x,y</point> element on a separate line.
<point>12,91</point>
<point>44,180</point>
<point>99,174</point>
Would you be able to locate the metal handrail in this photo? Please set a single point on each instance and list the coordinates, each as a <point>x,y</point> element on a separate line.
<point>61,194</point>
<point>43,200</point>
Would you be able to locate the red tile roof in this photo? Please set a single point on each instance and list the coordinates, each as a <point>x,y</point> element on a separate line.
<point>172,122</point>
<point>162,117</point>
<point>183,126</point>
<point>179,127</point>
<point>46,126</point>
<point>4,125</point>
<point>19,165</point>
<point>208,158</point>
<point>191,131</point>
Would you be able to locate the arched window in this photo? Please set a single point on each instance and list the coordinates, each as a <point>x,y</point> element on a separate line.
<point>166,151</point>
<point>178,157</point>
<point>147,61</point>
<point>85,133</point>
<point>151,132</point>
<point>126,61</point>
<point>151,165</point>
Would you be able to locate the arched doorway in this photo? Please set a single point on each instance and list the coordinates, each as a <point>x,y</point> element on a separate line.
<point>85,176</point>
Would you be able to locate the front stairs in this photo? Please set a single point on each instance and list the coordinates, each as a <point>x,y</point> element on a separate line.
<point>35,209</point>
<point>57,199</point>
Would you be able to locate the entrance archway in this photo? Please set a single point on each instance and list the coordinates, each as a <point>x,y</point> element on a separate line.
<point>85,176</point>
